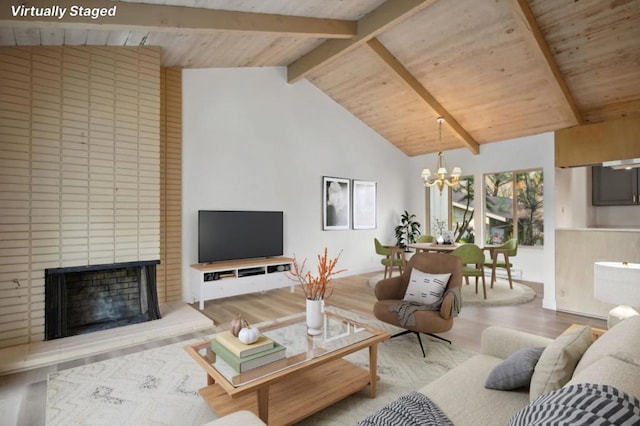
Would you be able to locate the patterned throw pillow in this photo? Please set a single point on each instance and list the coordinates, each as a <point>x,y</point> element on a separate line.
<point>582,404</point>
<point>515,371</point>
<point>425,288</point>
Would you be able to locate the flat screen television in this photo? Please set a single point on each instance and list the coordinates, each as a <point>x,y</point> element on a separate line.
<point>230,235</point>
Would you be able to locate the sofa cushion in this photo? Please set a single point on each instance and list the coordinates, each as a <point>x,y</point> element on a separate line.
<point>582,404</point>
<point>462,397</point>
<point>624,337</point>
<point>425,288</point>
<point>501,342</point>
<point>557,362</point>
<point>515,371</point>
<point>620,373</point>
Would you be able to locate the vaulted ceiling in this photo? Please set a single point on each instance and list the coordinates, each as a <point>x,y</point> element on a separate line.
<point>495,69</point>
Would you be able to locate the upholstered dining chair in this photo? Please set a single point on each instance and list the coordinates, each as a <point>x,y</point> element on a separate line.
<point>473,260</point>
<point>390,294</point>
<point>425,239</point>
<point>508,250</point>
<point>393,257</point>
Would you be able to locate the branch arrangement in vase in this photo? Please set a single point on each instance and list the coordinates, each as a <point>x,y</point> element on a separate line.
<point>317,287</point>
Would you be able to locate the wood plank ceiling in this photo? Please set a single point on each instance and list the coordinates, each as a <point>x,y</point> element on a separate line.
<point>495,69</point>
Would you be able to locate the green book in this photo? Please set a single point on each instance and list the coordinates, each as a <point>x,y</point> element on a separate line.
<point>246,363</point>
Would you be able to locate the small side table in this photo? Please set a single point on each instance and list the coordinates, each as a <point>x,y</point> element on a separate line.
<point>595,332</point>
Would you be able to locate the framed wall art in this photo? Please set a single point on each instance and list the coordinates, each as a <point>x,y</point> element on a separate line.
<point>364,204</point>
<point>336,203</point>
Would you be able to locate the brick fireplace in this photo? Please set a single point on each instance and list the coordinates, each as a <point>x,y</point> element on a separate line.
<point>85,299</point>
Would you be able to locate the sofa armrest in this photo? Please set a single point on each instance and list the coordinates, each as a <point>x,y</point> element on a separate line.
<point>501,342</point>
<point>390,288</point>
<point>446,309</point>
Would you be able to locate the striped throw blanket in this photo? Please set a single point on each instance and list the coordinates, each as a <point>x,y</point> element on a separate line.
<point>414,409</point>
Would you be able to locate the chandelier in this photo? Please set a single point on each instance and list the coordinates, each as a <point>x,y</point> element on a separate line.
<point>441,178</point>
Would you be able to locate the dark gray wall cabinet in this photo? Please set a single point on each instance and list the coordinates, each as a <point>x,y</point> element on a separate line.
<point>613,187</point>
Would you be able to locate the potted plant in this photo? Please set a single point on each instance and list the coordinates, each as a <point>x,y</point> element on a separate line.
<point>408,231</point>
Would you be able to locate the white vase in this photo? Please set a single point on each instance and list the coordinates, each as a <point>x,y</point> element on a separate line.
<point>315,316</point>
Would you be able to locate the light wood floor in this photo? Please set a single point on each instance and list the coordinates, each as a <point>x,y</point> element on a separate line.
<point>23,395</point>
<point>354,293</point>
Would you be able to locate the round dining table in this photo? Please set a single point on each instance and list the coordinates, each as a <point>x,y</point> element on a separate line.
<point>433,247</point>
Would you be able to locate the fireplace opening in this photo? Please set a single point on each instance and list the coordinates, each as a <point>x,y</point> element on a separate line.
<point>85,299</point>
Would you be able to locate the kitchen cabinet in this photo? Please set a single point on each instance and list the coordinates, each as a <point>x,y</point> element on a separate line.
<point>614,187</point>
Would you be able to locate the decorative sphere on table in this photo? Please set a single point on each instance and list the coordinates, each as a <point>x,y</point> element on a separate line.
<point>249,335</point>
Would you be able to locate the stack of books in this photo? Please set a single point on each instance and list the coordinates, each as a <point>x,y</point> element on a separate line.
<point>242,357</point>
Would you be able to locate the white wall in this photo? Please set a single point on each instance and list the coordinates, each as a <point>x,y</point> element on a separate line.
<point>573,189</point>
<point>617,216</point>
<point>251,141</point>
<point>537,264</point>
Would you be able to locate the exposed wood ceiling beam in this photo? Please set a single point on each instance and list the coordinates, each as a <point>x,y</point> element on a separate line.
<point>594,143</point>
<point>135,16</point>
<point>534,37</point>
<point>414,85</point>
<point>385,16</point>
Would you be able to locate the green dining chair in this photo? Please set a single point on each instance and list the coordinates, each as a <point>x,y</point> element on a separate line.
<point>473,264</point>
<point>390,260</point>
<point>508,250</point>
<point>425,239</point>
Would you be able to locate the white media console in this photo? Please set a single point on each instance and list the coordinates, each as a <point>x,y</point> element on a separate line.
<point>231,278</point>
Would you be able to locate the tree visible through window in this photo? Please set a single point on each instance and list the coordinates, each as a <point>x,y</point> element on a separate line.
<point>514,206</point>
<point>462,210</point>
<point>529,197</point>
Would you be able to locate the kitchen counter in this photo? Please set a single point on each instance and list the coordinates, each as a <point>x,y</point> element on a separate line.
<point>576,252</point>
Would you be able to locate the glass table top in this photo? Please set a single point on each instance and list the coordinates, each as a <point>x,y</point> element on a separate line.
<point>338,333</point>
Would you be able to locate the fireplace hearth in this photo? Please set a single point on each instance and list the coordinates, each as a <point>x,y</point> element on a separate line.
<point>85,299</point>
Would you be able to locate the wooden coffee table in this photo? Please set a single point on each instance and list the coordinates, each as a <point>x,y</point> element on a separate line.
<point>313,375</point>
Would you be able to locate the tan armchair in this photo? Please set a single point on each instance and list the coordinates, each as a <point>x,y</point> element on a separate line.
<point>390,292</point>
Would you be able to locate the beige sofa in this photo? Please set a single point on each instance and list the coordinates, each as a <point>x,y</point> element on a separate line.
<point>613,359</point>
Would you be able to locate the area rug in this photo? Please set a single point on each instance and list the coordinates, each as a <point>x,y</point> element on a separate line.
<point>160,386</point>
<point>499,295</point>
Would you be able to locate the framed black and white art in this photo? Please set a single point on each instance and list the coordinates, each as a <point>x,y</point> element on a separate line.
<point>336,203</point>
<point>364,204</point>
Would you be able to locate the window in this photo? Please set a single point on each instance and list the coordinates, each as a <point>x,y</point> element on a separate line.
<point>514,206</point>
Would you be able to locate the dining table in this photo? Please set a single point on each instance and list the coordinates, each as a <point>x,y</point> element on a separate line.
<point>448,248</point>
<point>433,247</point>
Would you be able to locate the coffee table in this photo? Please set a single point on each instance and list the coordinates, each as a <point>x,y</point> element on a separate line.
<point>313,375</point>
